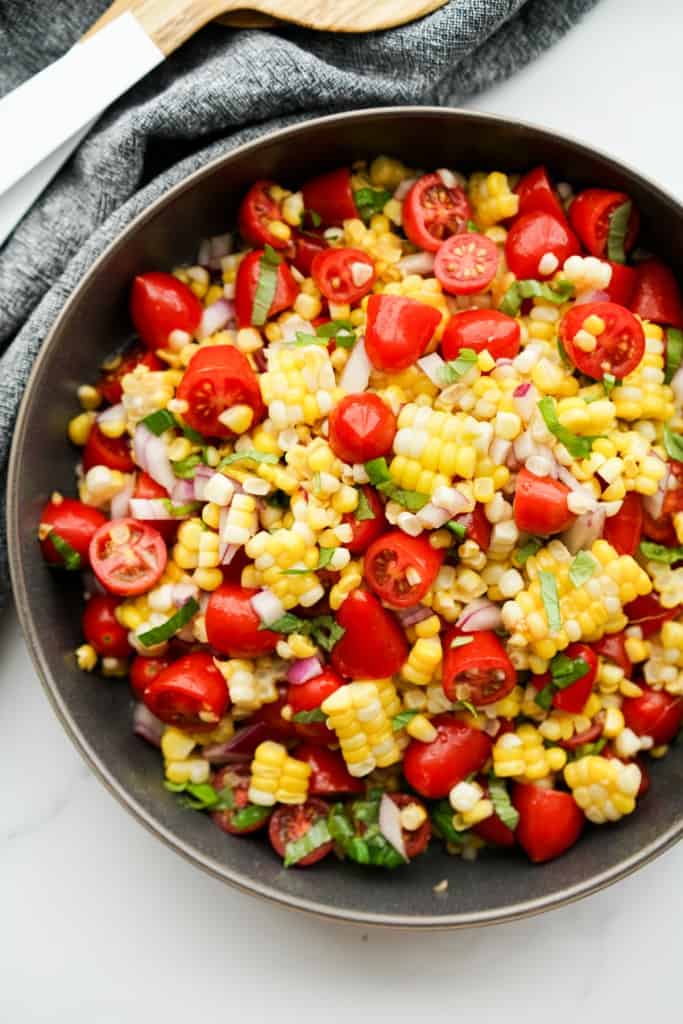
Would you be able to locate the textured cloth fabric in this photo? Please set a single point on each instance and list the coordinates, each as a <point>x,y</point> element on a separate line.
<point>222,88</point>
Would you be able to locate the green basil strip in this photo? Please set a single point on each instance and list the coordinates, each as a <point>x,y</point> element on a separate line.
<point>306,717</point>
<point>579,447</point>
<point>674,352</point>
<point>201,796</point>
<point>544,697</point>
<point>186,469</point>
<point>249,816</point>
<point>673,444</point>
<point>167,629</point>
<point>370,201</point>
<point>362,511</point>
<point>582,568</point>
<point>565,670</point>
<point>339,825</point>
<point>160,421</point>
<point>316,219</point>
<point>551,600</point>
<point>402,719</point>
<point>266,286</point>
<point>304,340</point>
<point>617,232</point>
<point>466,705</point>
<point>324,559</point>
<point>380,477</point>
<point>609,382</point>
<point>317,835</point>
<point>342,331</point>
<point>378,471</point>
<point>523,554</point>
<point>471,226</point>
<point>556,293</point>
<point>192,435</point>
<point>442,820</point>
<point>454,369</point>
<point>459,529</point>
<point>502,804</point>
<point>659,553</point>
<point>323,629</point>
<point>70,557</point>
<point>180,511</point>
<point>250,455</point>
<point>590,749</point>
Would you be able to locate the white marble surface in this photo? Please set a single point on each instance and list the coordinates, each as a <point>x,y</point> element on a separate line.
<point>102,924</point>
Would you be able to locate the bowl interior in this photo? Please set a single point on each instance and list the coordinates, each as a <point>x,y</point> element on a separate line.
<point>97,713</point>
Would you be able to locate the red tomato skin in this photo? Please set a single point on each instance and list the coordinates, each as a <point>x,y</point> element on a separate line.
<point>366,530</point>
<point>109,384</point>
<point>75,523</point>
<point>477,526</point>
<point>304,247</point>
<point>220,376</point>
<point>426,198</point>
<point>481,329</point>
<point>362,616</point>
<point>540,504</point>
<point>188,686</point>
<point>655,713</point>
<point>147,579</point>
<point>398,331</point>
<point>573,698</point>
<point>362,427</point>
<point>549,821</point>
<point>101,628</point>
<point>531,236</point>
<point>246,283</point>
<point>331,197</point>
<point>408,551</point>
<point>236,777</point>
<point>494,831</point>
<point>432,769</point>
<point>143,670</point>
<point>256,209</point>
<point>484,653</point>
<point>623,530</point>
<point>647,612</point>
<point>619,349</point>
<point>159,304</point>
<point>277,727</point>
<point>232,625</point>
<point>612,646</point>
<point>589,735</point>
<point>589,216</point>
<point>657,296</point>
<point>622,284</point>
<point>417,841</point>
<point>310,695</point>
<point>331,271</point>
<point>461,254</point>
<point>536,193</point>
<point>113,452</point>
<point>312,810</point>
<point>329,772</point>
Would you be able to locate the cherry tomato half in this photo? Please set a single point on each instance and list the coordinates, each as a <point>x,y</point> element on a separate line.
<point>466,263</point>
<point>398,331</point>
<point>286,288</point>
<point>477,526</point>
<point>237,779</point>
<point>109,384</point>
<point>573,698</point>
<point>143,671</point>
<point>536,193</point>
<point>619,348</point>
<point>366,530</point>
<point>549,821</point>
<point>191,693</point>
<point>343,275</point>
<point>415,841</point>
<point>257,210</point>
<point>481,329</point>
<point>657,296</point>
<point>304,247</point>
<point>540,504</point>
<point>275,726</point>
<point>362,427</point>
<point>218,377</point>
<point>292,822</point>
<point>101,628</point>
<point>113,452</point>
<point>612,646</point>
<point>329,773</point>
<point>401,569</point>
<point>128,557</point>
<point>146,487</point>
<point>479,671</point>
<point>310,695</point>
<point>232,625</point>
<point>532,236</point>
<point>590,214</point>
<point>432,212</point>
<point>655,713</point>
<point>75,523</point>
<point>330,197</point>
<point>492,830</point>
<point>623,530</point>
<point>432,769</point>
<point>362,616</point>
<point>622,284</point>
<point>159,304</point>
<point>647,612</point>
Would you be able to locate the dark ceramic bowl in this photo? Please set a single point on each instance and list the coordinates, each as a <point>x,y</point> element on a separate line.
<point>97,715</point>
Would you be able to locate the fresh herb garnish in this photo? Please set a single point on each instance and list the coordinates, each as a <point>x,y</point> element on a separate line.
<point>180,511</point>
<point>304,340</point>
<point>317,835</point>
<point>466,705</point>
<point>673,444</point>
<point>582,568</point>
<point>590,749</point>
<point>324,630</point>
<point>324,559</point>
<point>266,286</point>
<point>379,475</point>
<point>456,368</point>
<point>442,820</point>
<point>471,226</point>
<point>201,796</point>
<point>659,553</point>
<point>459,529</point>
<point>402,719</point>
<point>370,201</point>
<point>556,293</point>
<point>306,717</point>
<point>247,817</point>
<point>577,446</point>
<point>551,600</point>
<point>159,421</point>
<point>523,554</point>
<point>186,469</point>
<point>362,511</point>
<point>277,499</point>
<point>461,641</point>
<point>269,458</point>
<point>342,331</point>
<point>167,629</point>
<point>502,804</point>
<point>370,848</point>
<point>316,219</point>
<point>617,231</point>
<point>563,672</point>
<point>674,352</point>
<point>609,383</point>
<point>71,559</point>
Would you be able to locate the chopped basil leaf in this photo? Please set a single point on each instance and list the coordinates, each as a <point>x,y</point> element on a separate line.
<point>459,529</point>
<point>71,559</point>
<point>402,719</point>
<point>342,331</point>
<point>324,559</point>
<point>617,231</point>
<point>608,382</point>
<point>306,717</point>
<point>317,835</point>
<point>316,219</point>
<point>378,471</point>
<point>324,630</point>
<point>379,475</point>
<point>565,670</point>
<point>251,455</point>
<point>502,804</point>
<point>659,553</point>
<point>185,469</point>
<point>466,705</point>
<point>590,749</point>
<point>523,554</point>
<point>471,226</point>
<point>551,600</point>
<point>563,354</point>
<point>277,499</point>
<point>557,293</point>
<point>249,816</point>
<point>268,269</point>
<point>287,623</point>
<point>442,820</point>
<point>372,848</point>
<point>461,641</point>
<point>201,796</point>
<point>544,697</point>
<point>303,340</point>
<point>339,825</point>
<point>159,421</point>
<point>582,568</point>
<point>362,511</point>
<point>370,201</point>
<point>673,444</point>
<point>180,511</point>
<point>454,369</point>
<point>192,435</point>
<point>167,629</point>
<point>577,446</point>
<point>674,352</point>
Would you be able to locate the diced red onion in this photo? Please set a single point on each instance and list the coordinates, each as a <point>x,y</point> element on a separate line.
<point>404,188</point>
<point>568,478</point>
<point>212,251</point>
<point>119,507</point>
<point>584,530</point>
<point>411,616</point>
<point>150,454</point>
<point>433,516</point>
<point>240,747</point>
<point>433,365</point>
<point>522,389</point>
<point>150,509</point>
<point>654,503</point>
<point>390,824</point>
<point>147,725</point>
<point>592,295</point>
<point>201,478</point>
<point>183,491</point>
<point>303,669</point>
<point>480,614</point>
<point>356,373</point>
<point>184,592</point>
<point>526,403</point>
<point>215,317</point>
<point>267,606</point>
<point>114,414</point>
<point>229,553</point>
<point>421,263</point>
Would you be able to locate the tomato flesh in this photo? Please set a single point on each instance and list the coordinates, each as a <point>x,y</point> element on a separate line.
<point>290,823</point>
<point>75,523</point>
<point>477,526</point>
<point>623,530</point>
<point>540,504</point>
<point>362,616</point>
<point>655,713</point>
<point>109,385</point>
<point>113,452</point>
<point>480,671</point>
<point>401,569</point>
<point>481,329</point>
<point>128,557</point>
<point>232,625</point>
<point>415,841</point>
<point>657,296</point>
<point>466,263</point>
<point>366,530</point>
<point>613,647</point>
<point>622,284</point>
<point>190,693</point>
<point>159,304</point>
<point>304,247</point>
<point>549,821</point>
<point>217,378</point>
<point>257,211</point>
<point>432,212</point>
<point>286,289</point>
<point>309,695</point>
<point>237,779</point>
<point>398,331</point>
<point>647,612</point>
<point>101,628</point>
<point>362,427</point>
<point>146,487</point>
<point>531,236</point>
<point>620,347</point>
<point>432,769</point>
<point>536,193</point>
<point>330,197</point>
<point>334,272</point>
<point>590,214</point>
<point>329,773</point>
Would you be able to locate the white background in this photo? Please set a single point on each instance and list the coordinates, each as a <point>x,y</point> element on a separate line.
<point>102,924</point>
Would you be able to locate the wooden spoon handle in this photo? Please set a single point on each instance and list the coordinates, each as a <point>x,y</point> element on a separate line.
<point>168,23</point>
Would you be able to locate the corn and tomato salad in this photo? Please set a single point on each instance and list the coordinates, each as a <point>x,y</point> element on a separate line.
<point>381,514</point>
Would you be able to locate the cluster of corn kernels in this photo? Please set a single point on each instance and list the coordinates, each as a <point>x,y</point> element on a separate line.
<point>522,755</point>
<point>276,777</point>
<point>299,385</point>
<point>604,788</point>
<point>360,715</point>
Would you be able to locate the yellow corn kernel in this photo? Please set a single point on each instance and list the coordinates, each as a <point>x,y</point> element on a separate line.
<point>80,427</point>
<point>277,777</point>
<point>192,769</point>
<point>280,230</point>
<point>420,728</point>
<point>89,397</point>
<point>604,789</point>
<point>86,657</point>
<point>176,745</point>
<point>301,646</point>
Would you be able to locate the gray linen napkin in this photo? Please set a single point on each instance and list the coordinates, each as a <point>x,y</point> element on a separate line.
<point>222,88</point>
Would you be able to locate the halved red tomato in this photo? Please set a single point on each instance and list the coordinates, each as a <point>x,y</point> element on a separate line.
<point>246,284</point>
<point>655,713</point>
<point>432,212</point>
<point>343,275</point>
<point>362,427</point>
<point>623,530</point>
<point>622,284</point>
<point>398,331</point>
<point>466,263</point>
<point>127,557</point>
<point>657,296</point>
<point>191,693</point>
<point>362,616</point>
<point>232,625</point>
<point>550,821</point>
<point>218,377</point>
<point>366,530</point>
<point>401,569</point>
<point>143,670</point>
<point>432,769</point>
<point>330,197</point>
<point>620,347</point>
<point>531,236</point>
<point>304,247</point>
<point>74,522</point>
<point>478,671</point>
<point>243,817</point>
<point>113,452</point>
<point>536,193</point>
<point>481,329</point>
<point>540,504</point>
<point>292,822</point>
<point>590,214</point>
<point>329,773</point>
<point>647,612</point>
<point>257,211</point>
<point>159,304</point>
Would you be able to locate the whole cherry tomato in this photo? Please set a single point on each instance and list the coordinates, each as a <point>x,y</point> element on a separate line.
<point>257,211</point>
<point>573,697</point>
<point>623,530</point>
<point>234,820</point>
<point>101,628</point>
<point>622,284</point>
<point>415,841</point>
<point>362,427</point>
<point>612,646</point>
<point>191,693</point>
<point>647,612</point>
<point>657,296</point>
<point>531,236</point>
<point>143,670</point>
<point>477,526</point>
<point>304,247</point>
<point>246,284</point>
<point>536,193</point>
<point>74,523</point>
<point>432,212</point>
<point>310,695</point>
<point>329,773</point>
<point>655,713</point>
<point>398,331</point>
<point>147,488</point>
<point>217,378</point>
<point>109,384</point>
<point>368,528</point>
<point>620,347</point>
<point>232,625</point>
<point>479,671</point>
<point>362,616</point>
<point>481,329</point>
<point>401,569</point>
<point>549,821</point>
<point>343,275</point>
<point>127,557</point>
<point>113,452</point>
<point>292,822</point>
<point>159,304</point>
<point>466,263</point>
<point>590,215</point>
<point>432,769</point>
<point>330,197</point>
<point>540,504</point>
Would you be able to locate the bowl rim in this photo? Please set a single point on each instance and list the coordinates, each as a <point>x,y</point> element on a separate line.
<point>225,873</point>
